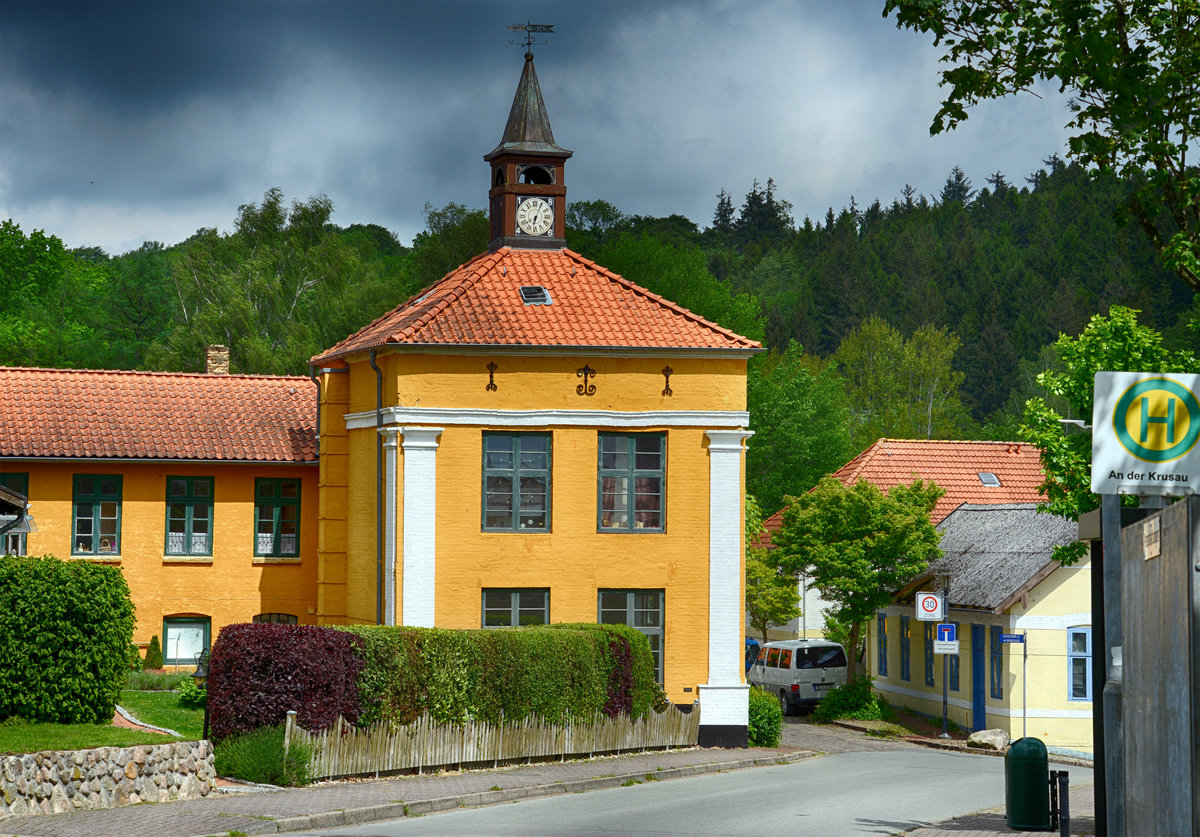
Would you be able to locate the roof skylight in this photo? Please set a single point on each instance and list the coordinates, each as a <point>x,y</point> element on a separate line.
<point>988,479</point>
<point>535,295</point>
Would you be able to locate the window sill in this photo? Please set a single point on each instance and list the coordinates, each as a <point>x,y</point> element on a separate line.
<point>277,559</point>
<point>187,559</point>
<point>107,558</point>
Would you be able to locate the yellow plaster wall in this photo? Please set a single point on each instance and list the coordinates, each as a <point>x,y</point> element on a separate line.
<point>573,560</point>
<point>232,586</point>
<point>1061,601</point>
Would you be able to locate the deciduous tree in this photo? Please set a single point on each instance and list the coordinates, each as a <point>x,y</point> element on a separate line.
<point>772,596</point>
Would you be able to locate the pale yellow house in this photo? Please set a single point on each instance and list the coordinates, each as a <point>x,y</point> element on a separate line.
<point>1003,585</point>
<point>534,439</point>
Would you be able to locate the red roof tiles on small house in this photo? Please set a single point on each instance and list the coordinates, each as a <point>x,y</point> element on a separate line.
<point>156,415</point>
<point>480,304</point>
<point>957,467</point>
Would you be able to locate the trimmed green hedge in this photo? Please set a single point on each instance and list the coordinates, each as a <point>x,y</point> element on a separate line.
<point>65,630</point>
<point>558,672</point>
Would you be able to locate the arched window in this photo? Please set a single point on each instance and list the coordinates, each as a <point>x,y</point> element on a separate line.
<point>536,175</point>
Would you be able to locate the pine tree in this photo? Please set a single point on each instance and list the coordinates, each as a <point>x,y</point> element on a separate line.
<point>154,657</point>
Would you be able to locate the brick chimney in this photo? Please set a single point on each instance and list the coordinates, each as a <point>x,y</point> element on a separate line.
<point>216,360</point>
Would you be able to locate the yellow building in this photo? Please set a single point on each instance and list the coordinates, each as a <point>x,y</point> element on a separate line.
<point>1023,626</point>
<point>202,488</point>
<point>534,439</point>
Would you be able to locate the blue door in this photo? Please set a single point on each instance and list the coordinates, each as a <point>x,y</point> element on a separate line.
<point>978,711</point>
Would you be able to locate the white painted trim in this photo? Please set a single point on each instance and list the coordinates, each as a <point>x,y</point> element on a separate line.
<point>727,705</point>
<point>1051,622</point>
<point>726,584</point>
<point>991,709</point>
<point>389,523</point>
<point>544,418</point>
<point>420,525</point>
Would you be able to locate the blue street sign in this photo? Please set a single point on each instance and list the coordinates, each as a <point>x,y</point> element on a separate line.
<point>1007,638</point>
<point>947,632</point>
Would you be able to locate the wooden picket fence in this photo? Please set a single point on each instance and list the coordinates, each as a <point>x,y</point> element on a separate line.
<point>345,750</point>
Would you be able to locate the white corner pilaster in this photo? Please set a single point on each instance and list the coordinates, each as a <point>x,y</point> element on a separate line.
<point>420,524</point>
<point>390,442</point>
<point>724,699</point>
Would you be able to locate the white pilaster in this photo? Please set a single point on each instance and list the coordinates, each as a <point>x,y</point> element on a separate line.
<point>390,442</point>
<point>724,699</point>
<point>420,524</point>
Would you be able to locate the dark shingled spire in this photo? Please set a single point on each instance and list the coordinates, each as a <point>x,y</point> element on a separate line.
<point>528,129</point>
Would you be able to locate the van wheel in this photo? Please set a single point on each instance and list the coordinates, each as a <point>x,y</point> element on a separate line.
<point>783,703</point>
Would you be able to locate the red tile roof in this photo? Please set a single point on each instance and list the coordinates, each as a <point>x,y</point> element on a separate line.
<point>156,415</point>
<point>954,466</point>
<point>479,304</point>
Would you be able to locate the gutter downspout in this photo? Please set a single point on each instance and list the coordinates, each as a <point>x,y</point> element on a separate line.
<point>378,490</point>
<point>312,374</point>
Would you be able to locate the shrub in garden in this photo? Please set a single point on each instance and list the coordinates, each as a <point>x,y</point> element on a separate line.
<point>135,658</point>
<point>257,672</point>
<point>856,700</point>
<point>154,658</point>
<point>65,631</point>
<point>258,757</point>
<point>766,718</point>
<point>192,696</point>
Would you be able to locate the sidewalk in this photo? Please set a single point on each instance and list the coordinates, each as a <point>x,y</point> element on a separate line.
<point>333,804</point>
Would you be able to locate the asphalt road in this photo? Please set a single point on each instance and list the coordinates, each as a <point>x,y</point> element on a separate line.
<point>864,786</point>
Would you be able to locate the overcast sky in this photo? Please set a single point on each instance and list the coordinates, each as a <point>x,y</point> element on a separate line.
<point>127,122</point>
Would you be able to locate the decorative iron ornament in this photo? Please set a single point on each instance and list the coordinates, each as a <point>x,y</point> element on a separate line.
<point>667,391</point>
<point>491,384</point>
<point>585,388</point>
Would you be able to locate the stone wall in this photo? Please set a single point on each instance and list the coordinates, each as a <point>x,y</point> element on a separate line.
<point>55,781</point>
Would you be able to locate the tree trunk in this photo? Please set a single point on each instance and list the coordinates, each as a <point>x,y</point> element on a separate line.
<point>852,652</point>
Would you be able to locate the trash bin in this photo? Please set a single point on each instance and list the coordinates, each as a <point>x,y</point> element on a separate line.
<point>1027,785</point>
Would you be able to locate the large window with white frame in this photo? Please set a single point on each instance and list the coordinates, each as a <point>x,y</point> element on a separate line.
<point>1079,663</point>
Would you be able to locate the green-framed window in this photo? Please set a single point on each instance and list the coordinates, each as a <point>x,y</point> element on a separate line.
<point>516,482</point>
<point>189,515</point>
<point>13,543</point>
<point>881,644</point>
<point>185,638</point>
<point>277,516</point>
<point>96,515</point>
<point>641,609</point>
<point>513,608</point>
<point>277,618</point>
<point>632,477</point>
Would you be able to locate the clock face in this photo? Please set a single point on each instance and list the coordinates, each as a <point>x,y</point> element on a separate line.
<point>535,216</point>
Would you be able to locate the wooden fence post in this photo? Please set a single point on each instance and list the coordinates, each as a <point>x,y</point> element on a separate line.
<point>289,730</point>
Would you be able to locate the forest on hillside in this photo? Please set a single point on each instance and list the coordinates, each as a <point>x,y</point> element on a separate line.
<point>926,317</point>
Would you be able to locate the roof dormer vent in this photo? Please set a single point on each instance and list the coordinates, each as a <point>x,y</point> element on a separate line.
<point>535,295</point>
<point>989,480</point>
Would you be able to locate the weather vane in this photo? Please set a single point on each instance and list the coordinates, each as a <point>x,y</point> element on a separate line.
<point>531,30</point>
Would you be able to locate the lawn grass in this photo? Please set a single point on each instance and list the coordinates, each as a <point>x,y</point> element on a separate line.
<point>162,709</point>
<point>20,737</point>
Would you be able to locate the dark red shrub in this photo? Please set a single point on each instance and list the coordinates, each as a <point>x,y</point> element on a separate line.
<point>260,671</point>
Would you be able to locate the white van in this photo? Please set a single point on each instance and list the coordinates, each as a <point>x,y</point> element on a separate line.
<point>799,671</point>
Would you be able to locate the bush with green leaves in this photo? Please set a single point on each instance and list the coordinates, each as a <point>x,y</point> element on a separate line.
<point>856,700</point>
<point>766,718</point>
<point>154,657</point>
<point>562,672</point>
<point>65,631</point>
<point>258,756</point>
<point>192,695</point>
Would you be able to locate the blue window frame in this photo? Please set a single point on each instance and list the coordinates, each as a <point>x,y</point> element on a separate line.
<point>997,660</point>
<point>930,627</point>
<point>905,637</point>
<point>954,662</point>
<point>1079,663</point>
<point>881,653</point>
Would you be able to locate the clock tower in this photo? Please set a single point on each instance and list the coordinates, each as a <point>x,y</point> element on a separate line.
<point>527,202</point>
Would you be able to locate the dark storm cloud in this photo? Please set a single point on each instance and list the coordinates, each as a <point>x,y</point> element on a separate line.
<point>125,122</point>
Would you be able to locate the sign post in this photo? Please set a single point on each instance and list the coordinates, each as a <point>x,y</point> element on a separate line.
<point>1008,639</point>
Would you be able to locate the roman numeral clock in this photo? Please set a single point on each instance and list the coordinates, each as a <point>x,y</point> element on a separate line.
<point>535,216</point>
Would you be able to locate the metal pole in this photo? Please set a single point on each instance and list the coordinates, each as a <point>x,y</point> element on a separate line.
<point>945,662</point>
<point>1114,744</point>
<point>804,606</point>
<point>1024,683</point>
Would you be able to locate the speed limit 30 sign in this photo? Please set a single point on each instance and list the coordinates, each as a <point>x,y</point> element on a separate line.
<point>930,607</point>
